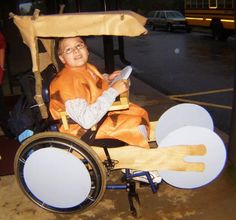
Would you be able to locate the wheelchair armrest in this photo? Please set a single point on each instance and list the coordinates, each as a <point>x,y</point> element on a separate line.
<point>64,120</point>
<point>122,103</point>
<point>152,136</point>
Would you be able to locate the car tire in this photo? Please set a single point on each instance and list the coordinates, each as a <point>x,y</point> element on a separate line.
<point>169,28</point>
<point>188,29</point>
<point>218,31</point>
<point>152,26</point>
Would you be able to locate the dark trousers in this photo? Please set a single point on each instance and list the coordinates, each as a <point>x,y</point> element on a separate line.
<point>4,115</point>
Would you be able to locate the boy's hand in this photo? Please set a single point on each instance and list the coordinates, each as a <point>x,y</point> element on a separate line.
<point>121,86</point>
<point>113,75</point>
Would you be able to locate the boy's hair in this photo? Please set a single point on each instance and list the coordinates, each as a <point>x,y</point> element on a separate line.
<point>60,39</point>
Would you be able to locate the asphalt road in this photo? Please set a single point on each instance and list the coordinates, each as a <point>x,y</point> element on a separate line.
<point>183,63</point>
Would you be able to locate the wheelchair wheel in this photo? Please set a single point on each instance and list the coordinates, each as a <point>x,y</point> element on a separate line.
<point>59,172</point>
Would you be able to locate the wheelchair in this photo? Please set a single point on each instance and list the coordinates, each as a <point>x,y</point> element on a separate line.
<point>64,174</point>
<point>81,171</point>
<point>82,175</point>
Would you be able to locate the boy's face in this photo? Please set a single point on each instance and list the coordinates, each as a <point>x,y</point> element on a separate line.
<point>73,52</point>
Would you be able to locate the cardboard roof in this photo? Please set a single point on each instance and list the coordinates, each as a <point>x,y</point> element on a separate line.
<point>116,23</point>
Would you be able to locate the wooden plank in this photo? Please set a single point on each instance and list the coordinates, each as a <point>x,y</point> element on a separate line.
<point>122,103</point>
<point>168,158</point>
<point>64,120</point>
<point>118,106</point>
<point>152,136</point>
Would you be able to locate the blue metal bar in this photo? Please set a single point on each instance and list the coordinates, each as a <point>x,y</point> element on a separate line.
<point>116,187</point>
<point>153,186</point>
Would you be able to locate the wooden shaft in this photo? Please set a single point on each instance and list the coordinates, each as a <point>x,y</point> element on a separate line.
<point>168,158</point>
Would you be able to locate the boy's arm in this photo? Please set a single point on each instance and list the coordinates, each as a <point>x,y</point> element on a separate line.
<point>88,115</point>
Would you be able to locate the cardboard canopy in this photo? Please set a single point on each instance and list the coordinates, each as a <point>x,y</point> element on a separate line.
<point>116,23</point>
<point>47,27</point>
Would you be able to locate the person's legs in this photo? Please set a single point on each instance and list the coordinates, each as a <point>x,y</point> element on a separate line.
<point>154,174</point>
<point>156,178</point>
<point>3,115</point>
<point>143,131</point>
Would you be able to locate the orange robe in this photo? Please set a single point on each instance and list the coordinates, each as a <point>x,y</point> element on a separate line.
<point>72,83</point>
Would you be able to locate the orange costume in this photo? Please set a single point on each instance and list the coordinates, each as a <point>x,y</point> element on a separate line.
<point>73,83</point>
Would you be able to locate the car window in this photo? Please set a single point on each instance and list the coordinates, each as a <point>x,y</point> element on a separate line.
<point>157,14</point>
<point>28,7</point>
<point>162,15</point>
<point>174,14</point>
<point>151,14</point>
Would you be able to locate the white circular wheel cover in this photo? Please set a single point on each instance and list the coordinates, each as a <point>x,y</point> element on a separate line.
<point>214,159</point>
<point>182,115</point>
<point>57,177</point>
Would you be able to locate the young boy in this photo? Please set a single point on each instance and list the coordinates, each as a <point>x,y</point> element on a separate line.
<point>85,94</point>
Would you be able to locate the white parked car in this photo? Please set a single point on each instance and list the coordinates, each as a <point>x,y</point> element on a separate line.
<point>169,19</point>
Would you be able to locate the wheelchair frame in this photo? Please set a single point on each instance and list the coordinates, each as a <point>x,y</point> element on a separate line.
<point>97,169</point>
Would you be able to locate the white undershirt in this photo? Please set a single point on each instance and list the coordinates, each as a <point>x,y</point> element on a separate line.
<point>87,115</point>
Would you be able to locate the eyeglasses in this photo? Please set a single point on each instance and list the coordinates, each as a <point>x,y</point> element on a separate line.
<point>70,50</point>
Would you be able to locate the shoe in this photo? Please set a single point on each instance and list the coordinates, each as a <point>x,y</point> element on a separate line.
<point>156,178</point>
<point>154,175</point>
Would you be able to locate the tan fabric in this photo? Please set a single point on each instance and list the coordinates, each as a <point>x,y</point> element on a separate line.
<point>78,83</point>
<point>117,23</point>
